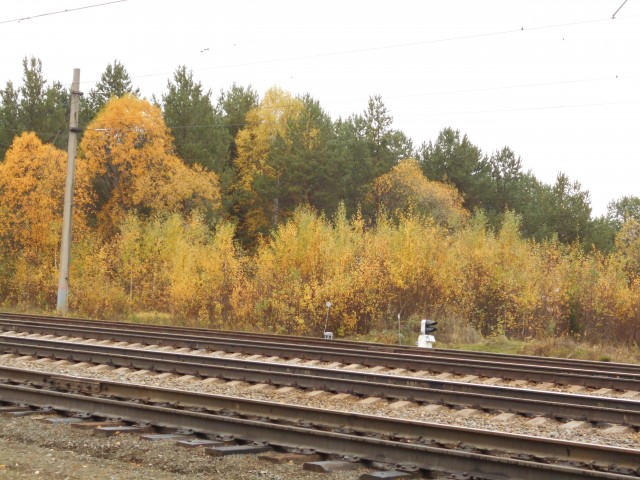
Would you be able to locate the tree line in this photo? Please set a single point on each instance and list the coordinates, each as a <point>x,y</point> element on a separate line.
<point>290,151</point>
<point>215,208</point>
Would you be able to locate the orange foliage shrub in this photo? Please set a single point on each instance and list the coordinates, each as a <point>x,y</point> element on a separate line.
<point>163,254</point>
<point>32,183</point>
<point>405,188</point>
<point>129,151</point>
<point>369,276</point>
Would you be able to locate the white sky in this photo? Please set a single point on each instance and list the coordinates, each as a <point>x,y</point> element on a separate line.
<point>556,81</point>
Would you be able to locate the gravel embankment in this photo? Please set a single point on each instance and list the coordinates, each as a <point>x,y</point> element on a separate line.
<point>411,411</point>
<point>30,448</point>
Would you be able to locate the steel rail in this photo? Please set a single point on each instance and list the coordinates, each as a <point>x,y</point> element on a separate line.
<point>329,442</point>
<point>587,378</point>
<point>35,321</point>
<point>434,433</point>
<point>486,397</point>
<point>339,347</point>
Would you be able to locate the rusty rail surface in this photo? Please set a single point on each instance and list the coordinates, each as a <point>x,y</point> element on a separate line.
<point>485,397</point>
<point>403,442</point>
<point>157,331</point>
<point>536,373</point>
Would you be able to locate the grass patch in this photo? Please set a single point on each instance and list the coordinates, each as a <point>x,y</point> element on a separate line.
<point>151,318</point>
<point>563,347</point>
<point>492,344</point>
<point>457,334</point>
<point>566,347</point>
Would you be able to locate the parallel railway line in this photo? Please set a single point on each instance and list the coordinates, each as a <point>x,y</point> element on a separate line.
<point>485,397</point>
<point>559,371</point>
<point>337,367</point>
<point>33,323</point>
<point>487,454</point>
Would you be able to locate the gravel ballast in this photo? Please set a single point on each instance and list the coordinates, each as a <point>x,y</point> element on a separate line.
<point>30,448</point>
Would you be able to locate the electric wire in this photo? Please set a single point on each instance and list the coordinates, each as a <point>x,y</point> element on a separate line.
<point>67,10</point>
<point>444,114</point>
<point>381,48</point>
<point>405,45</point>
<point>619,8</point>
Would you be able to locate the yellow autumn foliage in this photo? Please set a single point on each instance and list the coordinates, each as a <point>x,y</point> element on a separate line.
<point>96,289</point>
<point>507,289</point>
<point>628,245</point>
<point>129,151</point>
<point>32,183</point>
<point>367,275</point>
<point>263,124</point>
<point>164,254</point>
<point>405,188</point>
<point>291,273</point>
<point>166,263</point>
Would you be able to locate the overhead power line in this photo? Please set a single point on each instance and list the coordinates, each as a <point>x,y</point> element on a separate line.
<point>525,109</point>
<point>619,8</point>
<point>517,30</point>
<point>67,10</point>
<point>434,114</point>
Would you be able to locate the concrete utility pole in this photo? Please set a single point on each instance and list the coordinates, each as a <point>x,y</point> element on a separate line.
<point>65,249</point>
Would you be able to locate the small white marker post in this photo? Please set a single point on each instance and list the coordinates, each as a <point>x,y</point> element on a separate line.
<point>327,335</point>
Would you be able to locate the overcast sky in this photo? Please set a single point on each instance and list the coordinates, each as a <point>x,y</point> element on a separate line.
<point>556,81</point>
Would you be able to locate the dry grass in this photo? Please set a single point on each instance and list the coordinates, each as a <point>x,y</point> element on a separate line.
<point>458,331</point>
<point>566,347</point>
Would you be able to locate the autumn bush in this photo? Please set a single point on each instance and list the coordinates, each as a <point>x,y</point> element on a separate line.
<point>149,239</point>
<point>406,189</point>
<point>166,263</point>
<point>95,288</point>
<point>472,280</point>
<point>128,156</point>
<point>307,262</point>
<point>32,179</point>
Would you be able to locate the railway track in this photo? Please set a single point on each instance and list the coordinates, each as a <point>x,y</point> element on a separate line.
<point>32,322</point>
<point>558,371</point>
<point>485,397</point>
<point>337,367</point>
<point>373,439</point>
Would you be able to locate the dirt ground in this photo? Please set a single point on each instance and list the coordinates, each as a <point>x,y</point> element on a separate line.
<point>30,448</point>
